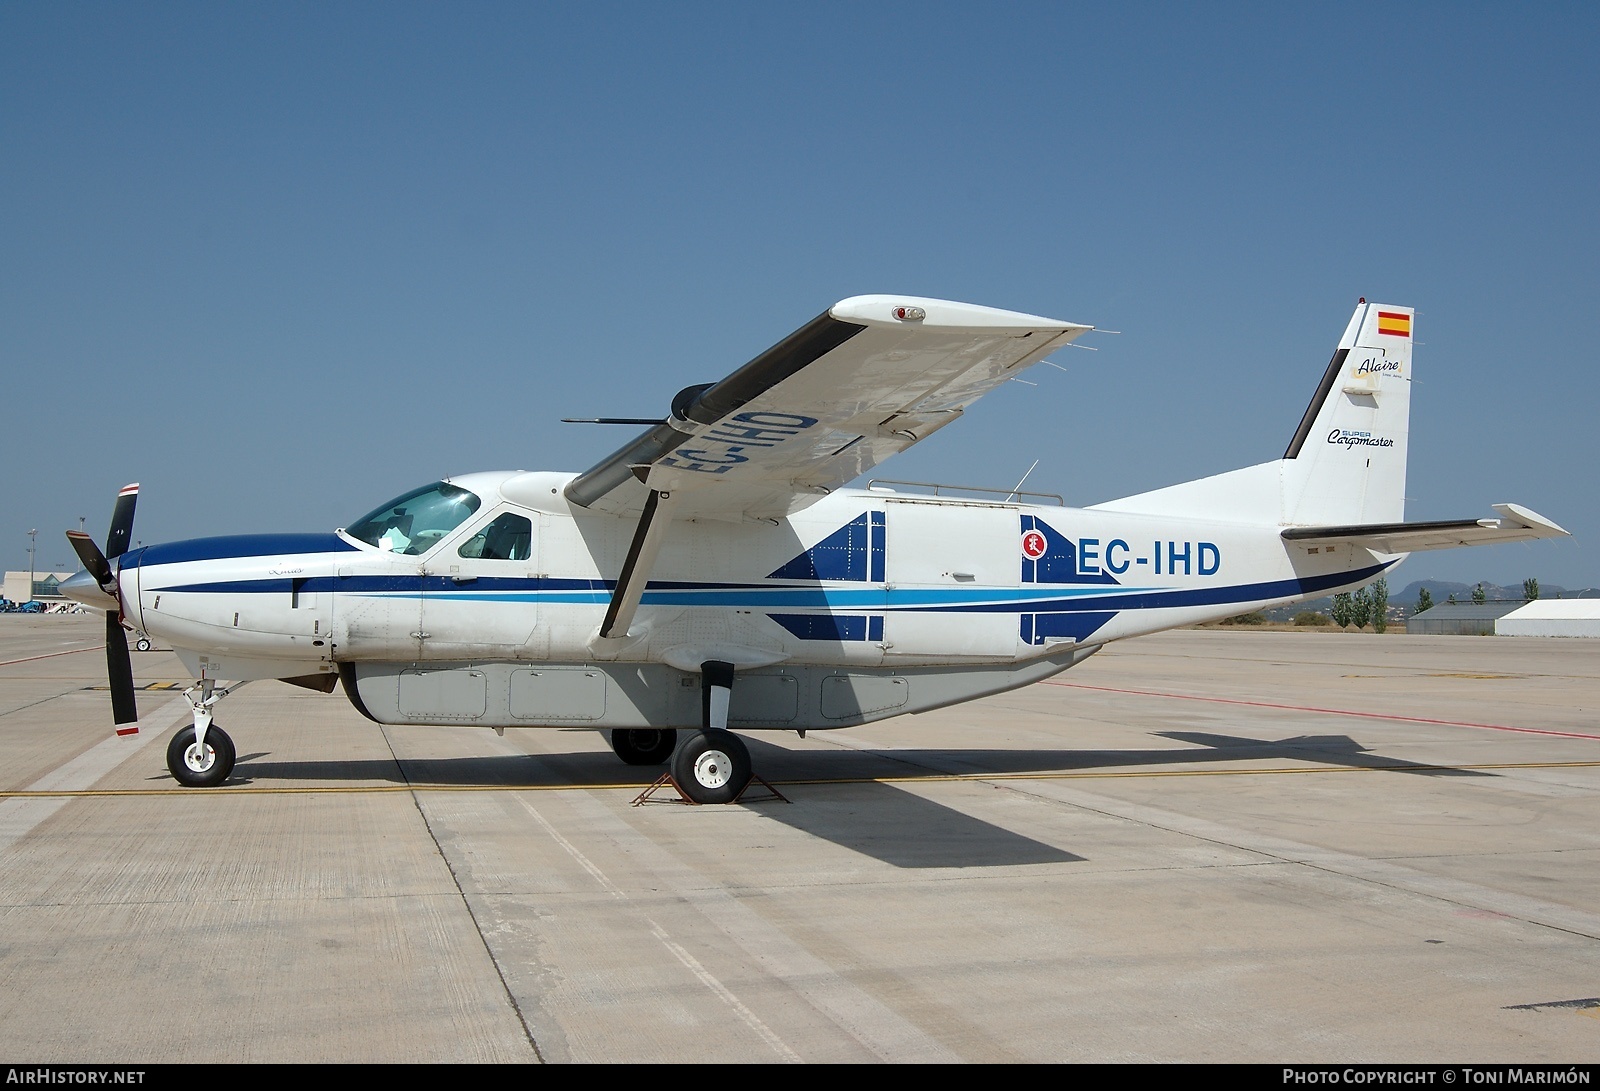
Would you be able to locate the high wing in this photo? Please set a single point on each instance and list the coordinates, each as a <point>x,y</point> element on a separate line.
<point>867,378</point>
<point>1516,524</point>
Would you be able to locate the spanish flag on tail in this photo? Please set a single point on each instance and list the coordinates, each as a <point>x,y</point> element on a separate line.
<point>1394,324</point>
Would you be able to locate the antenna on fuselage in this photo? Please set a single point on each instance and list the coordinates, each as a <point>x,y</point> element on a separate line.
<point>1018,489</point>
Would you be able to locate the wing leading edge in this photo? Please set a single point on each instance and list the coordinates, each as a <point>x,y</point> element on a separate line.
<point>864,380</point>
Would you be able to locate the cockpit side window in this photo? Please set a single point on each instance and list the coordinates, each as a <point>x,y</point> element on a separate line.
<point>508,538</point>
<point>416,522</point>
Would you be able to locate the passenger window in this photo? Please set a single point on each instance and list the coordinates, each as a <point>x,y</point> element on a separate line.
<point>508,538</point>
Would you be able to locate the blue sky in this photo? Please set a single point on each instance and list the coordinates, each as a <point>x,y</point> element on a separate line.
<point>281,262</point>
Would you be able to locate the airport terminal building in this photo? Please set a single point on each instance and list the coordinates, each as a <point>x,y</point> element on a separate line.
<point>43,590</point>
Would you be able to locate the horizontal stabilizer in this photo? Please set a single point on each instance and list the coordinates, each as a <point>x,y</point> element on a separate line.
<point>1516,524</point>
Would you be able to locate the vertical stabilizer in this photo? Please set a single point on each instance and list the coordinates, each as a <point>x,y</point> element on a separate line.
<point>1347,461</point>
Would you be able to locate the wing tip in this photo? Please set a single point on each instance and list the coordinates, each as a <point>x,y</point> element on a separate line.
<point>1532,520</point>
<point>880,310</point>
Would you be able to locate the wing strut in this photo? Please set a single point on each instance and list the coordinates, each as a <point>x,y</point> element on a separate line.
<point>647,539</point>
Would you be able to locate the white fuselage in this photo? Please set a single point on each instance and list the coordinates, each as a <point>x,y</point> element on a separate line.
<point>865,604</point>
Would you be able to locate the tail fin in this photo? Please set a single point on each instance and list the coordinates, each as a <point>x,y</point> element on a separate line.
<point>1347,461</point>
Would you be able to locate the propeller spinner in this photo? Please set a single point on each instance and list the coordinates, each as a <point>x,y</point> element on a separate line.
<point>97,587</point>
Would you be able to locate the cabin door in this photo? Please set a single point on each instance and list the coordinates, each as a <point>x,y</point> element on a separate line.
<point>953,570</point>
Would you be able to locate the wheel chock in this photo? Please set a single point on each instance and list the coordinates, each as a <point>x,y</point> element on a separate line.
<point>666,780</point>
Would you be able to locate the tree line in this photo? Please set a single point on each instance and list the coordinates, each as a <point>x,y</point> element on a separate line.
<point>1370,605</point>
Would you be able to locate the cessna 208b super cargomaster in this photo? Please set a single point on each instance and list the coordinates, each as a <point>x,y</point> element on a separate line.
<point>714,573</point>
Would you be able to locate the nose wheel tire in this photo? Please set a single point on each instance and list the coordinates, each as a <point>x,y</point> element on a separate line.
<point>200,767</point>
<point>643,745</point>
<point>143,644</point>
<point>712,766</point>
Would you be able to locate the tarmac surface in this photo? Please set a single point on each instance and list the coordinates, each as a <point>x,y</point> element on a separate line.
<point>1199,846</point>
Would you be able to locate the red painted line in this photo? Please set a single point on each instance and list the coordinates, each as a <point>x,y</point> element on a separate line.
<point>51,655</point>
<point>1329,711</point>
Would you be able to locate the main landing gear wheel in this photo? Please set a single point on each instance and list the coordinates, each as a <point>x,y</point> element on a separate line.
<point>712,766</point>
<point>643,745</point>
<point>194,767</point>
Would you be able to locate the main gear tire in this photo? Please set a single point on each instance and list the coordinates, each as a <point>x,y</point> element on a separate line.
<point>712,766</point>
<point>644,745</point>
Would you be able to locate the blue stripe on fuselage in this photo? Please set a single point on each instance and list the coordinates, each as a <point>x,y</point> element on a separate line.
<point>1034,599</point>
<point>234,546</point>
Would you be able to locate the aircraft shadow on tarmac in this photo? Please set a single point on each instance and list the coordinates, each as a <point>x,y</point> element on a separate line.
<point>877,820</point>
<point>905,830</point>
<point>842,795</point>
<point>1339,750</point>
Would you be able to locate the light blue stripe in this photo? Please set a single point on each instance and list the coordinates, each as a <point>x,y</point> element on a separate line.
<point>790,598</point>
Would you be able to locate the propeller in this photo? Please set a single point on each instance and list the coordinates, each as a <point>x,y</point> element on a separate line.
<point>119,664</point>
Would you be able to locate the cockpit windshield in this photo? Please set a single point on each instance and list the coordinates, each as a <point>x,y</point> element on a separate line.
<point>413,524</point>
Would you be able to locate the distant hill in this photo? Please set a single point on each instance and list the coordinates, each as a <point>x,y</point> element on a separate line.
<point>1441,590</point>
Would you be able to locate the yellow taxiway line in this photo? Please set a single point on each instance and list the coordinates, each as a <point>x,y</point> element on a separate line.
<point>910,778</point>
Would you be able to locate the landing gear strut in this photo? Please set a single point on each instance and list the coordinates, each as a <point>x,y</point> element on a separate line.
<point>712,765</point>
<point>201,756</point>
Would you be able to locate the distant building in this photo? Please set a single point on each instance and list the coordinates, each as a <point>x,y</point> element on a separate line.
<point>1552,617</point>
<point>44,588</point>
<point>1461,618</point>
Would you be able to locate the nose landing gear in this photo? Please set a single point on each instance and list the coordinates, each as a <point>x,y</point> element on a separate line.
<point>200,764</point>
<point>201,756</point>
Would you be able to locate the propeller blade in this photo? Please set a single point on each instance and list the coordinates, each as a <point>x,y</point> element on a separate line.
<point>122,521</point>
<point>119,671</point>
<point>94,562</point>
<point>97,566</point>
